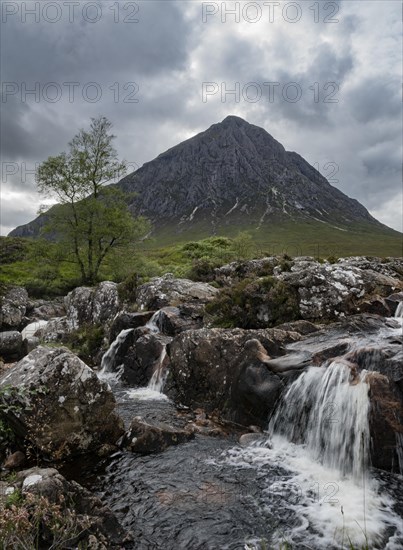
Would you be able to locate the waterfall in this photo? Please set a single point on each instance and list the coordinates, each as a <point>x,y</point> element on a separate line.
<point>108,358</point>
<point>152,323</point>
<point>326,409</point>
<point>160,374</point>
<point>399,311</point>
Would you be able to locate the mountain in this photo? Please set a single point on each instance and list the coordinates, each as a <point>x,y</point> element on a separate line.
<point>235,169</point>
<point>231,177</point>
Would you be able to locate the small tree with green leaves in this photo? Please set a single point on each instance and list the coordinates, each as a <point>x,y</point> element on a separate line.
<point>91,219</point>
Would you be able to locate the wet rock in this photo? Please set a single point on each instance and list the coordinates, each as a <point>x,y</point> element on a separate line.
<point>61,408</point>
<point>93,522</point>
<point>135,355</point>
<point>302,327</point>
<point>126,320</point>
<point>386,423</point>
<point>165,291</point>
<point>151,436</point>
<point>11,348</point>
<point>13,306</point>
<point>211,369</point>
<point>376,305</point>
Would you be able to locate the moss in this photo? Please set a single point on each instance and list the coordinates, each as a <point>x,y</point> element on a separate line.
<point>262,303</point>
<point>86,342</point>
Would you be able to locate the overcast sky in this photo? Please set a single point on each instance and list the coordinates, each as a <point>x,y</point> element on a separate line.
<point>323,78</point>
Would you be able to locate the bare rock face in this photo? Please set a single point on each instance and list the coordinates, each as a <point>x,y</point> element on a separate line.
<point>92,305</point>
<point>215,369</point>
<point>13,306</point>
<point>169,291</point>
<point>327,291</point>
<point>61,406</point>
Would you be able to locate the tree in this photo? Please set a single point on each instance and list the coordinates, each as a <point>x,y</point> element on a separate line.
<point>91,219</point>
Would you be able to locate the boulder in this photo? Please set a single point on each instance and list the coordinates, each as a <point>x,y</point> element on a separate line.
<point>327,291</point>
<point>134,355</point>
<point>46,310</point>
<point>97,305</point>
<point>165,291</point>
<point>125,320</point>
<point>87,522</point>
<point>13,306</point>
<point>151,436</point>
<point>173,320</point>
<point>214,369</point>
<point>59,404</point>
<point>11,348</point>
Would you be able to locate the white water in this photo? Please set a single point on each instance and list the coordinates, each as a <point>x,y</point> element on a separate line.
<point>108,358</point>
<point>152,323</point>
<point>160,373</point>
<point>30,329</point>
<point>399,310</point>
<point>156,384</point>
<point>326,409</point>
<point>319,447</point>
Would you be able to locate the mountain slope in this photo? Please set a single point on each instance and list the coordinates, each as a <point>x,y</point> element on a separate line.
<point>234,170</point>
<point>235,176</point>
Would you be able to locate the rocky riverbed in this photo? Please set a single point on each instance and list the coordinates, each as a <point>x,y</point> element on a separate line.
<point>261,408</point>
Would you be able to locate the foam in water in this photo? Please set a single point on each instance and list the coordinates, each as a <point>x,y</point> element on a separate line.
<point>152,323</point>
<point>319,447</point>
<point>30,329</point>
<point>108,358</point>
<point>146,394</point>
<point>327,410</point>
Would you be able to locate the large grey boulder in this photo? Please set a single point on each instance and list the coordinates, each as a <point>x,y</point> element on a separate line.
<point>85,305</point>
<point>165,291</point>
<point>13,306</point>
<point>219,369</point>
<point>327,291</point>
<point>59,404</point>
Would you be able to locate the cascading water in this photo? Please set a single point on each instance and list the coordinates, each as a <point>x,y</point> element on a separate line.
<point>160,374</point>
<point>108,359</point>
<point>399,311</point>
<point>319,441</point>
<point>326,409</point>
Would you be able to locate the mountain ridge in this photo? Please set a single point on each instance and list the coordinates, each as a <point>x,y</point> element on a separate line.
<point>233,174</point>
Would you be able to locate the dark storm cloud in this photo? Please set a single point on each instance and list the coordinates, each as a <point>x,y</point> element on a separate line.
<point>170,52</point>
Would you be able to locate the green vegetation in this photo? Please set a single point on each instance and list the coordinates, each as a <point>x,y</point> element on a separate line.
<point>32,521</point>
<point>91,220</point>
<point>260,303</point>
<point>56,274</point>
<point>86,342</point>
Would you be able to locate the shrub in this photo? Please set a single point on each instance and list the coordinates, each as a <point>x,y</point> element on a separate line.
<point>86,342</point>
<point>261,303</point>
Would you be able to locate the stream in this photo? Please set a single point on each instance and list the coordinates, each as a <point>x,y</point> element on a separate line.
<point>306,484</point>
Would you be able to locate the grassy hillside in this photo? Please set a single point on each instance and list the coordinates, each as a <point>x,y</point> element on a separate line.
<point>45,272</point>
<point>295,239</point>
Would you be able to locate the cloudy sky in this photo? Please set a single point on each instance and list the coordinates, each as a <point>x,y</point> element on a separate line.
<point>322,77</point>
